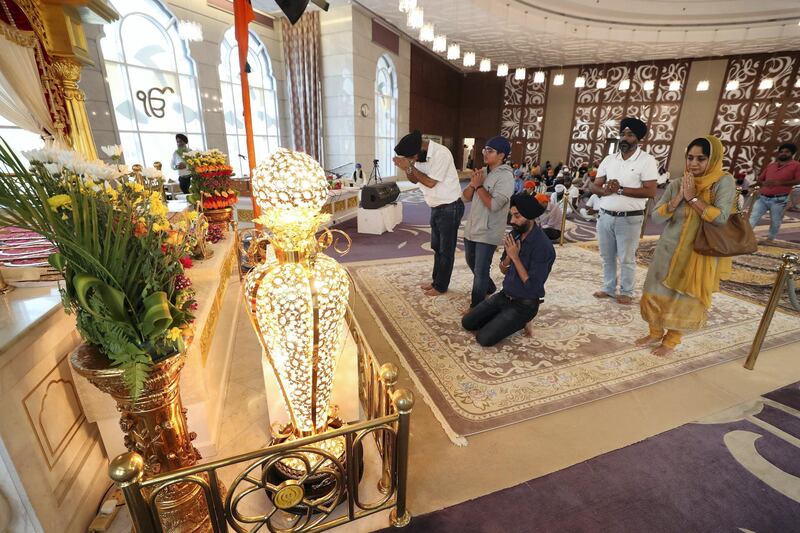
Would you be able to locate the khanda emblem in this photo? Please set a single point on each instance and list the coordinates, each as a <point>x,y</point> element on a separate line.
<point>153,105</point>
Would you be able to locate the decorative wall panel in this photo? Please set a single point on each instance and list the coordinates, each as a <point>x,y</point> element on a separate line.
<point>522,116</point>
<point>753,122</point>
<point>599,111</point>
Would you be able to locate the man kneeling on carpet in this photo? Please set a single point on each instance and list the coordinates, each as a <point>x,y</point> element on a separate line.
<point>526,263</point>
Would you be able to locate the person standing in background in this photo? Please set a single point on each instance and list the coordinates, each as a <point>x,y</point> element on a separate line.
<point>184,174</point>
<point>489,190</point>
<point>776,182</point>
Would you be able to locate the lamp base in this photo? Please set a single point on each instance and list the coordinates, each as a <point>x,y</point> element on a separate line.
<point>298,478</point>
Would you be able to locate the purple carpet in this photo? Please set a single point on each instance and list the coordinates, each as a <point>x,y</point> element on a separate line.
<point>735,474</point>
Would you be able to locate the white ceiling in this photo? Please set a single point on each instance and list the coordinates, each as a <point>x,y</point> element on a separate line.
<point>573,32</point>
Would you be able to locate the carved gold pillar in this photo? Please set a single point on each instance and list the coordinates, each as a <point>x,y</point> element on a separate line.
<point>67,73</point>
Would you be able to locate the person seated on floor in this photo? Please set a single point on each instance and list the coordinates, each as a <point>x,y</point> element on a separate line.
<point>592,209</point>
<point>528,258</point>
<point>574,194</point>
<point>550,221</point>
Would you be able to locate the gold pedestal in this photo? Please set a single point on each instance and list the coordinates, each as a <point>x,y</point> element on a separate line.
<point>219,217</point>
<point>68,72</point>
<point>155,427</point>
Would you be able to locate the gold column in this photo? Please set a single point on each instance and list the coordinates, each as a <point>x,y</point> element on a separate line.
<point>67,74</point>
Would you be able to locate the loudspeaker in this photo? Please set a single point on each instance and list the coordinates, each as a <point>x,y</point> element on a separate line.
<point>378,195</point>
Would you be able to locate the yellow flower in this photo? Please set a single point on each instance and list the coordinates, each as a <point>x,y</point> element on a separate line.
<point>58,201</point>
<point>174,334</point>
<point>157,226</point>
<point>192,216</point>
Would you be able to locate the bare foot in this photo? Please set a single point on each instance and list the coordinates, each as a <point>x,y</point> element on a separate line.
<point>601,294</point>
<point>426,286</point>
<point>644,341</point>
<point>662,351</point>
<point>433,292</point>
<point>528,329</point>
<point>624,300</point>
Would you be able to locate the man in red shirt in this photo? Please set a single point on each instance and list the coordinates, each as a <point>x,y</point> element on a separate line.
<point>776,182</point>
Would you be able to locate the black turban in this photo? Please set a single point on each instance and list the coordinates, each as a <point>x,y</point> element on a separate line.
<point>410,145</point>
<point>638,127</point>
<point>527,205</point>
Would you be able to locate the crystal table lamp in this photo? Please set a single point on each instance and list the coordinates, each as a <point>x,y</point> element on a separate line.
<point>297,301</point>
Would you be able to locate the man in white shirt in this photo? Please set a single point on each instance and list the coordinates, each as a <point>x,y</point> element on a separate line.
<point>431,166</point>
<point>625,180</point>
<point>184,174</point>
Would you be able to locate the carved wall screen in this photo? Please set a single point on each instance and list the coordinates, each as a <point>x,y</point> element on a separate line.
<point>522,118</point>
<point>599,111</point>
<point>751,121</point>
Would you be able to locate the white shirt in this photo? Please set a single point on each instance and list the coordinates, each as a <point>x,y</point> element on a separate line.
<point>177,160</point>
<point>631,172</point>
<point>439,166</point>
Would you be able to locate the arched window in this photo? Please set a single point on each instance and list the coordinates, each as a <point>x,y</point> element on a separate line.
<point>153,82</point>
<point>263,101</point>
<point>385,114</point>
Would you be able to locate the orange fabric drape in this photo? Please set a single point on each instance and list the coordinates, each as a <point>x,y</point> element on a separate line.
<point>242,16</point>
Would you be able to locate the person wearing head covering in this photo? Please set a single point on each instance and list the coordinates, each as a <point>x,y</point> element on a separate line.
<point>489,190</point>
<point>550,221</point>
<point>625,181</point>
<point>177,163</point>
<point>677,292</point>
<point>528,258</point>
<point>431,165</point>
<point>776,182</point>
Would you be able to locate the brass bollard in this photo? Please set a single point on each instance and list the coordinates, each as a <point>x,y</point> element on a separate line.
<point>404,401</point>
<point>787,268</point>
<point>564,218</point>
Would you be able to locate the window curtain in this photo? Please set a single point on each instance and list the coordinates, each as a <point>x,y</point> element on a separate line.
<point>301,48</point>
<point>22,100</point>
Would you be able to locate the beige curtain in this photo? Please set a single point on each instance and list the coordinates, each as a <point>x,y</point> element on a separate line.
<point>301,48</point>
<point>22,98</point>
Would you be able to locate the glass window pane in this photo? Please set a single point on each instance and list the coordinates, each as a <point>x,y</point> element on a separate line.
<point>155,51</point>
<point>190,98</point>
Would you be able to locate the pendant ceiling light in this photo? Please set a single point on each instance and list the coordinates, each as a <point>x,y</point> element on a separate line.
<point>674,85</point>
<point>732,85</point>
<point>502,69</point>
<point>538,76</point>
<point>486,65</point>
<point>439,43</point>
<point>703,85</point>
<point>558,79</point>
<point>519,74</point>
<point>407,5</point>
<point>602,83</point>
<point>649,85</point>
<point>469,59</point>
<point>426,34</point>
<point>416,18</point>
<point>580,82</point>
<point>453,52</point>
<point>625,84</point>
<point>766,83</point>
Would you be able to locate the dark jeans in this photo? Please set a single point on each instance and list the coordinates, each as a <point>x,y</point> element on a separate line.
<point>498,317</point>
<point>552,233</point>
<point>444,234</point>
<point>479,259</point>
<point>184,182</point>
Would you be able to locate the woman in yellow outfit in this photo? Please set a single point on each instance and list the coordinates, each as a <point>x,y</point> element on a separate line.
<point>679,284</point>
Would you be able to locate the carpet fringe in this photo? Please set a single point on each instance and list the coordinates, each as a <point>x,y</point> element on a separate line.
<point>454,437</point>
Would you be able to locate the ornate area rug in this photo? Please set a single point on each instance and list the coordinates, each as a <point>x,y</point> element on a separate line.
<point>582,349</point>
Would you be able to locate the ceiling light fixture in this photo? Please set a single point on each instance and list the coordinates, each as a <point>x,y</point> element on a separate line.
<point>538,76</point>
<point>625,84</point>
<point>416,18</point>
<point>426,34</point>
<point>649,85</point>
<point>558,79</point>
<point>453,52</point>
<point>439,43</point>
<point>732,85</point>
<point>602,83</point>
<point>674,85</point>
<point>766,83</point>
<point>486,65</point>
<point>407,5</point>
<point>469,59</point>
<point>797,83</point>
<point>502,69</point>
<point>519,74</point>
<point>190,31</point>
<point>703,85</point>
<point>580,82</point>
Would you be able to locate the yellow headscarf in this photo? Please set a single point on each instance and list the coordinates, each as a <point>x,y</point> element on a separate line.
<point>691,273</point>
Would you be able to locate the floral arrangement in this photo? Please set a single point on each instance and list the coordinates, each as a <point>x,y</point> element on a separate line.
<point>211,179</point>
<point>137,312</point>
<point>334,182</point>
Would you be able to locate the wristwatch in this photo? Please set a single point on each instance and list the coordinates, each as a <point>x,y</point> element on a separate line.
<point>621,191</point>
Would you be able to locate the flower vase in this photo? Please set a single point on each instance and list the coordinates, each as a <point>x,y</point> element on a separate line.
<point>155,427</point>
<point>219,217</point>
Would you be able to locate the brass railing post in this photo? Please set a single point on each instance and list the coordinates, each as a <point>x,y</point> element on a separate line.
<point>751,200</point>
<point>127,471</point>
<point>388,375</point>
<point>563,219</point>
<point>404,402</point>
<point>786,269</point>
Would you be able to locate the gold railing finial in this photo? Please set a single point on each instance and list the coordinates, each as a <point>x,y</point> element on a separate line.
<point>404,400</point>
<point>388,374</point>
<point>126,468</point>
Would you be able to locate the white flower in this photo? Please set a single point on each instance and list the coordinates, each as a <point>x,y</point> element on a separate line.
<point>53,168</point>
<point>152,173</point>
<point>113,151</point>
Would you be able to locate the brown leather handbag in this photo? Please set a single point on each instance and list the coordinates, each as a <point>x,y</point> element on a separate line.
<point>735,237</point>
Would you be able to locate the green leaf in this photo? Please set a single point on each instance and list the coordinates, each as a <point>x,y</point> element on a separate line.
<point>113,299</point>
<point>157,316</point>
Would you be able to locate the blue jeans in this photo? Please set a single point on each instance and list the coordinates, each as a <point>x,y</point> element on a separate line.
<point>498,317</point>
<point>776,206</point>
<point>618,238</point>
<point>479,260</point>
<point>445,220</point>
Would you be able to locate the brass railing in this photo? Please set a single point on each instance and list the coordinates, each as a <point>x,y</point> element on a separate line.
<point>563,217</point>
<point>784,280</point>
<point>388,413</point>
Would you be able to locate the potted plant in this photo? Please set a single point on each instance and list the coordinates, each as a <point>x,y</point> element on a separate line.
<point>125,284</point>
